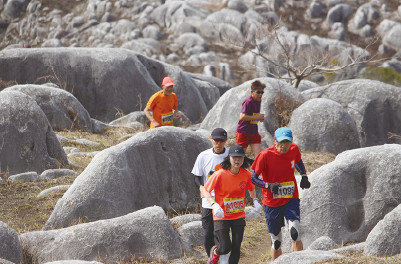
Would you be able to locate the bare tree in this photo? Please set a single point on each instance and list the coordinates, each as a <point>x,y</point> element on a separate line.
<point>275,51</point>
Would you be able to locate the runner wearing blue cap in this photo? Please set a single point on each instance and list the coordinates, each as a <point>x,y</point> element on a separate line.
<point>280,192</point>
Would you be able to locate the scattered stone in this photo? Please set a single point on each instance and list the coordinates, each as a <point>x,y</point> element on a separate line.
<point>307,257</point>
<point>55,173</point>
<point>185,219</point>
<point>53,189</point>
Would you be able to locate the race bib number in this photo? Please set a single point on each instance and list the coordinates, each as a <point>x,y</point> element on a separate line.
<point>254,122</point>
<point>167,119</point>
<point>285,191</point>
<point>234,205</point>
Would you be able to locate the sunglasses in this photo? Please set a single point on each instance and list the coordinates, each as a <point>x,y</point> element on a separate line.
<point>219,140</point>
<point>259,92</point>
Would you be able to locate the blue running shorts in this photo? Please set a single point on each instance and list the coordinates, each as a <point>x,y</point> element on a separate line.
<point>275,215</point>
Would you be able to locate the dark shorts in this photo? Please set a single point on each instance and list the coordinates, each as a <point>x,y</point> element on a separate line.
<point>227,224</point>
<point>275,215</point>
<point>245,140</point>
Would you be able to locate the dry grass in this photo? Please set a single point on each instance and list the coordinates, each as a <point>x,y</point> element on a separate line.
<point>24,212</point>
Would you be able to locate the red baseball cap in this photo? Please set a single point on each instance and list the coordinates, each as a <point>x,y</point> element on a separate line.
<point>167,81</point>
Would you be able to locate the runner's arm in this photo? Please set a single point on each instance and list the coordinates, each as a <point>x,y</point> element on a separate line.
<point>198,181</point>
<point>258,182</point>
<point>206,194</point>
<point>245,117</point>
<point>252,193</point>
<point>300,167</point>
<point>150,117</point>
<point>176,113</point>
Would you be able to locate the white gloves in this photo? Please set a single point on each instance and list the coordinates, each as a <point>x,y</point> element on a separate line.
<point>257,205</point>
<point>218,212</point>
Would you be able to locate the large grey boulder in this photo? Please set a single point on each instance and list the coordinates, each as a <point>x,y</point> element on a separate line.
<point>365,14</point>
<point>307,257</point>
<point>323,243</point>
<point>317,9</point>
<point>374,106</point>
<point>222,85</point>
<point>384,239</point>
<point>225,113</point>
<point>10,246</point>
<point>191,234</point>
<point>103,80</point>
<point>13,9</point>
<point>131,118</point>
<point>188,41</point>
<point>150,168</point>
<point>339,13</point>
<point>4,261</point>
<point>209,92</point>
<point>61,108</point>
<point>350,195</point>
<point>323,125</point>
<point>28,142</point>
<point>146,233</point>
<point>392,38</point>
<point>225,24</point>
<point>173,13</point>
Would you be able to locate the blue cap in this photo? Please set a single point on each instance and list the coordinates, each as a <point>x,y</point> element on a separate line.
<point>283,133</point>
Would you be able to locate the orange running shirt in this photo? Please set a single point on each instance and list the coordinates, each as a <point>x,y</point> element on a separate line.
<point>229,190</point>
<point>162,108</point>
<point>276,167</point>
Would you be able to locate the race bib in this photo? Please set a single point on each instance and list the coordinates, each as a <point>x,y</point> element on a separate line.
<point>167,119</point>
<point>234,205</point>
<point>285,191</point>
<point>254,122</point>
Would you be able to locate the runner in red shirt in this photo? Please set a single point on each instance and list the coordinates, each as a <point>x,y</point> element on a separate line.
<point>276,164</point>
<point>229,185</point>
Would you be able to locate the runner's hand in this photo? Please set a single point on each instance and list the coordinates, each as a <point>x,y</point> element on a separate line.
<point>305,184</point>
<point>273,187</point>
<point>257,205</point>
<point>155,123</point>
<point>218,212</point>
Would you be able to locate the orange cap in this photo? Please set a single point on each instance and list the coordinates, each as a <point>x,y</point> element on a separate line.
<point>167,81</point>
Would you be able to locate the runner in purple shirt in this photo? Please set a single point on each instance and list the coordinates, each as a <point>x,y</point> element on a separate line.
<point>247,129</point>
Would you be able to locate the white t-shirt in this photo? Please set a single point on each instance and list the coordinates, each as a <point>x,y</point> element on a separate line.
<point>205,166</point>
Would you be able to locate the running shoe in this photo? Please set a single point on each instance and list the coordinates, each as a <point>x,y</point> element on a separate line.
<point>214,258</point>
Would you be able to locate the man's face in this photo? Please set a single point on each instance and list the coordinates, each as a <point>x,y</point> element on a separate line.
<point>283,146</point>
<point>167,90</point>
<point>257,94</point>
<point>218,144</point>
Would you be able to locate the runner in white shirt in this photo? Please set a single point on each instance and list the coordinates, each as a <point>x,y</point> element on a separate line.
<point>204,167</point>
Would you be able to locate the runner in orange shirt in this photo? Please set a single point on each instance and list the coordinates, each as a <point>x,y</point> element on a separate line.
<point>229,185</point>
<point>163,105</point>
